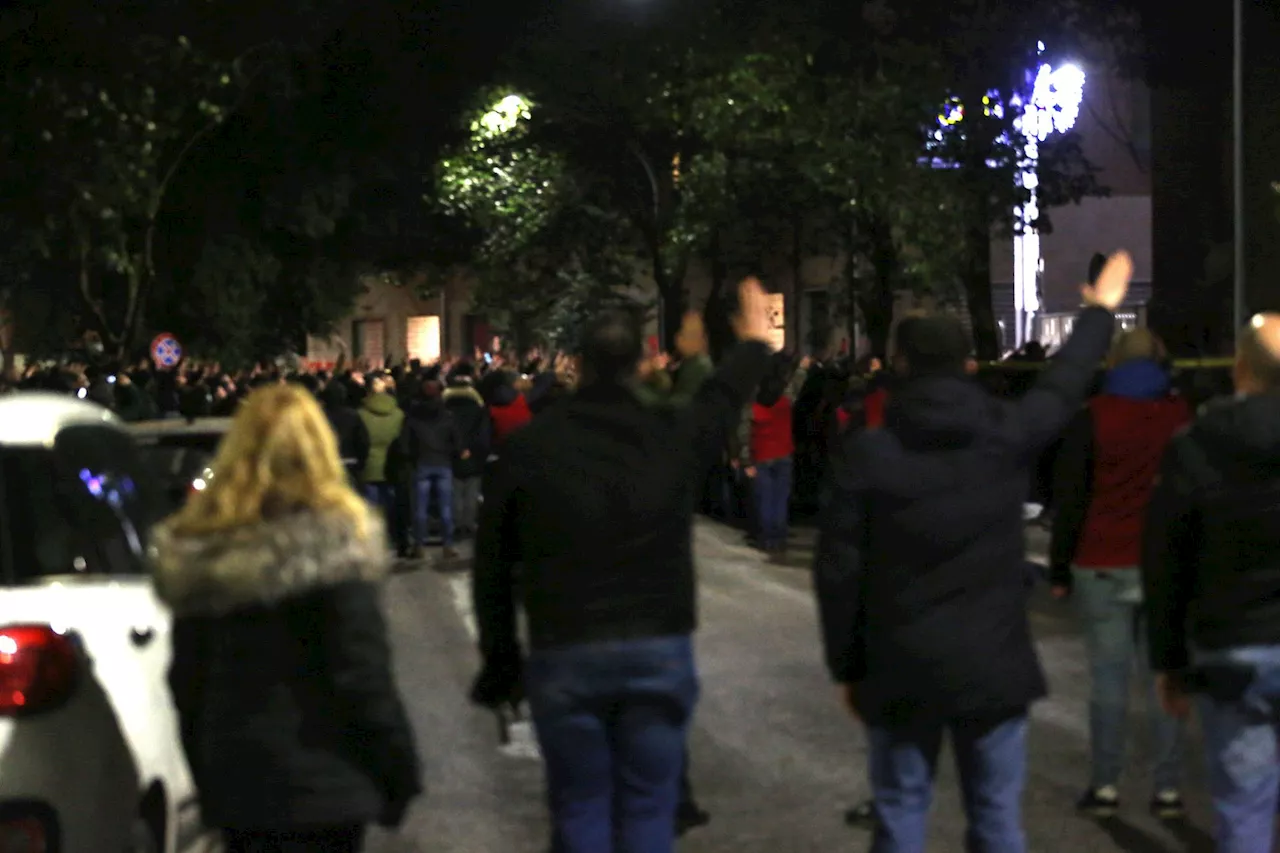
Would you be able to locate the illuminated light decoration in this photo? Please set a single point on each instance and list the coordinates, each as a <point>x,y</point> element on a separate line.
<point>1053,107</point>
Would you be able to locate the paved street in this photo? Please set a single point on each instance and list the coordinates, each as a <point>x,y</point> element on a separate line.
<point>774,758</point>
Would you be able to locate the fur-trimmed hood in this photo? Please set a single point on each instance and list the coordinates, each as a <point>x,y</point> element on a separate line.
<point>463,392</point>
<point>262,564</point>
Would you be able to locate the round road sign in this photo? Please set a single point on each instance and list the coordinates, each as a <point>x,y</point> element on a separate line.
<point>165,350</point>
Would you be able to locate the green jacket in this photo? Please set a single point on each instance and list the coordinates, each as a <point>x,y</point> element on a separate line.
<point>384,420</point>
<point>689,377</point>
<point>740,444</point>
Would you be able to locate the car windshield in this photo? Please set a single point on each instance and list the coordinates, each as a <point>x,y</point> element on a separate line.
<point>180,462</point>
<point>81,507</point>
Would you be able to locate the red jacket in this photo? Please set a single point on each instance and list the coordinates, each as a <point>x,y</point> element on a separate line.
<point>874,405</point>
<point>771,431</point>
<point>507,419</point>
<point>1129,440</point>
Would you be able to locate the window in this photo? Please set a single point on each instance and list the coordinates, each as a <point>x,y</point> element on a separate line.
<point>177,462</point>
<point>369,342</point>
<point>82,507</point>
<point>422,339</point>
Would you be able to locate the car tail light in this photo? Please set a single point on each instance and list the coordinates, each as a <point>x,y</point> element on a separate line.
<point>38,668</point>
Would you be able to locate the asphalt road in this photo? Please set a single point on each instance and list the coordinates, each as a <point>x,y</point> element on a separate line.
<point>775,759</point>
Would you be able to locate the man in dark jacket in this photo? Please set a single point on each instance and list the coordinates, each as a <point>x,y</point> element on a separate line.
<point>432,443</point>
<point>475,432</point>
<point>595,500</point>
<point>920,573</point>
<point>348,428</point>
<point>1211,576</point>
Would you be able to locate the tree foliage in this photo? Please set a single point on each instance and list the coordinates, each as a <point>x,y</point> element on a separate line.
<point>544,255</point>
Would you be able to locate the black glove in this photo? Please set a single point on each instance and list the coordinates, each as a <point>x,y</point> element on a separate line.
<point>500,682</point>
<point>393,812</point>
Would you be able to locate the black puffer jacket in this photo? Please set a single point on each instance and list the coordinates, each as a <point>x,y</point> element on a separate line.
<point>282,674</point>
<point>431,435</point>
<point>920,566</point>
<point>348,428</point>
<point>1211,547</point>
<point>475,429</point>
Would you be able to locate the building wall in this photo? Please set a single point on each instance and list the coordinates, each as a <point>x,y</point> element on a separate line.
<point>393,304</point>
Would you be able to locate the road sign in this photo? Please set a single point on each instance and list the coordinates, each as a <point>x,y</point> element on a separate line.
<point>165,350</point>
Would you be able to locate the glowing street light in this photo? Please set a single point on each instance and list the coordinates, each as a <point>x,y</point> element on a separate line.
<point>1054,107</point>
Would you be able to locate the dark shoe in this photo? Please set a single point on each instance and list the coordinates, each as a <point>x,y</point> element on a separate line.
<point>863,815</point>
<point>450,553</point>
<point>1100,802</point>
<point>1167,805</point>
<point>689,817</point>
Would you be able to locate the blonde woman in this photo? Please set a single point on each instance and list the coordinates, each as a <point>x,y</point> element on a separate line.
<point>291,720</point>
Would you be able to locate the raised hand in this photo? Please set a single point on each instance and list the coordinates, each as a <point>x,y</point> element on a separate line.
<point>1112,285</point>
<point>751,322</point>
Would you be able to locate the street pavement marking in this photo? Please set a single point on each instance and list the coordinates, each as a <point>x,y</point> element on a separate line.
<point>460,586</point>
<point>522,742</point>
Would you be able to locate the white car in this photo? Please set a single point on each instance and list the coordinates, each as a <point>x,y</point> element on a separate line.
<point>90,758</point>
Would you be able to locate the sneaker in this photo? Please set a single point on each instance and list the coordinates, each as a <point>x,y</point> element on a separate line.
<point>1167,805</point>
<point>862,815</point>
<point>1100,802</point>
<point>689,817</point>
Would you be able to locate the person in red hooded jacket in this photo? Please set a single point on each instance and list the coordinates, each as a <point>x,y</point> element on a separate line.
<point>1104,476</point>
<point>509,411</point>
<point>766,444</point>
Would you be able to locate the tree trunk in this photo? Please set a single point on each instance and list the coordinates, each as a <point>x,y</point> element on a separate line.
<point>793,309</point>
<point>977,291</point>
<point>850,276</point>
<point>877,299</point>
<point>670,285</point>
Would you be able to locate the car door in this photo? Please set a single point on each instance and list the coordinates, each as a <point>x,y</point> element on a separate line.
<point>86,505</point>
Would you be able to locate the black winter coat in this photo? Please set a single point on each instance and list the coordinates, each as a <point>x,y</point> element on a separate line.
<point>475,428</point>
<point>282,675</point>
<point>920,571</point>
<point>595,499</point>
<point>430,435</point>
<point>1211,547</point>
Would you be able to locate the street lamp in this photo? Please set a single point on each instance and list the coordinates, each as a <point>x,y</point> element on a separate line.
<point>1237,162</point>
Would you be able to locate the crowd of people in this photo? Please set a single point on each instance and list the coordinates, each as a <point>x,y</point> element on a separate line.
<point>579,479</point>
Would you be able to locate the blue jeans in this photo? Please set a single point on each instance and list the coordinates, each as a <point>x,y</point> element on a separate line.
<point>611,719</point>
<point>383,496</point>
<point>772,489</point>
<point>429,480</point>
<point>1110,608</point>
<point>991,757</point>
<point>1240,737</point>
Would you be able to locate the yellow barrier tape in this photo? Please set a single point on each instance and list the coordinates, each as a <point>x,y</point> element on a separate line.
<point>1178,364</point>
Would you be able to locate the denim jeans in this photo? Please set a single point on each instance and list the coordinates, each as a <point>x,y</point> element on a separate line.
<point>991,756</point>
<point>1240,737</point>
<point>611,719</point>
<point>383,496</point>
<point>772,488</point>
<point>431,480</point>
<point>466,502</point>
<point>1110,607</point>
